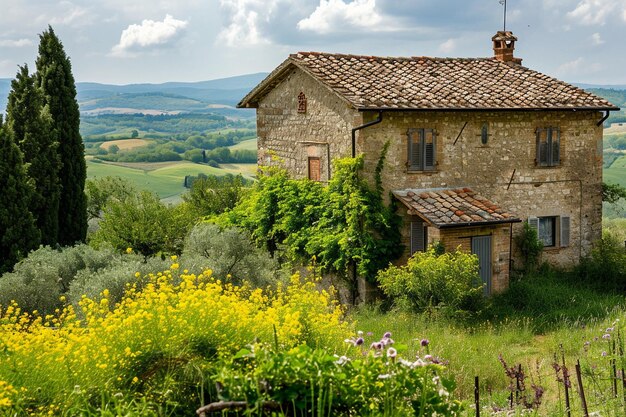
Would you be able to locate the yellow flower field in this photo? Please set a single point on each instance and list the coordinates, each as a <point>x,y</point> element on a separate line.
<point>57,363</point>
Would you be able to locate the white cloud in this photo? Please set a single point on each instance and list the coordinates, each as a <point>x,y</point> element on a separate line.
<point>244,22</point>
<point>596,12</point>
<point>15,43</point>
<point>448,46</point>
<point>148,35</point>
<point>579,66</point>
<point>334,15</point>
<point>597,39</point>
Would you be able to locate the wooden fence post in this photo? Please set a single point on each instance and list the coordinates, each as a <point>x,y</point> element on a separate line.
<point>477,395</point>
<point>579,377</point>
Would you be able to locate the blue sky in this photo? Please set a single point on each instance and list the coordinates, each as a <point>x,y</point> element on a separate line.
<point>132,41</point>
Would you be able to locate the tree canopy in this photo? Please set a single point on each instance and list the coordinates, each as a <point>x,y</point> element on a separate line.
<point>54,78</point>
<point>31,123</point>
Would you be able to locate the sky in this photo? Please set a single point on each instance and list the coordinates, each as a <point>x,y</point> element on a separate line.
<point>153,41</point>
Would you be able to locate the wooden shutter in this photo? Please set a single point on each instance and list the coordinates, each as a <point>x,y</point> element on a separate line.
<point>542,147</point>
<point>415,149</point>
<point>555,139</point>
<point>418,237</point>
<point>533,222</point>
<point>565,231</point>
<point>429,149</point>
<point>314,169</point>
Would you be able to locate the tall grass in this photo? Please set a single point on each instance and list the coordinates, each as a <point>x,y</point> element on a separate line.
<point>537,318</point>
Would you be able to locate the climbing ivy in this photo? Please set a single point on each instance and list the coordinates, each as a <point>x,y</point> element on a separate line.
<point>345,224</point>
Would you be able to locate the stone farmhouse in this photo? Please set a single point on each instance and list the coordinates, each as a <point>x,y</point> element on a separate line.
<point>477,146</point>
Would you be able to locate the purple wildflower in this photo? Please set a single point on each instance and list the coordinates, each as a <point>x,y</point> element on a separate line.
<point>359,341</point>
<point>424,342</point>
<point>604,353</point>
<point>376,346</point>
<point>387,335</point>
<point>606,336</point>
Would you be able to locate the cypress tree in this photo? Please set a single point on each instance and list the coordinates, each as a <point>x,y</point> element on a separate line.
<point>31,126</point>
<point>54,78</point>
<point>18,233</point>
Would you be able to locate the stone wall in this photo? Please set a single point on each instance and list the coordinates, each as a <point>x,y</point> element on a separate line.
<point>503,169</point>
<point>289,138</point>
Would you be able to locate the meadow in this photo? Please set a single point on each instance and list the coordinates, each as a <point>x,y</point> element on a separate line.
<point>166,179</point>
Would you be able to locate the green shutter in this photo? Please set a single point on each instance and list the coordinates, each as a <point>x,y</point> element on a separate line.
<point>565,231</point>
<point>418,238</point>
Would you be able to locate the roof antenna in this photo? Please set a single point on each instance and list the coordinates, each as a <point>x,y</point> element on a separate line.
<point>503,2</point>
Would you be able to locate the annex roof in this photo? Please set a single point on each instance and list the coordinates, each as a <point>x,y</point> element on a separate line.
<point>453,207</point>
<point>423,83</point>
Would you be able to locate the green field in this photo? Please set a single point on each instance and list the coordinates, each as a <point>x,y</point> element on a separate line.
<point>166,181</point>
<point>247,145</point>
<point>617,172</point>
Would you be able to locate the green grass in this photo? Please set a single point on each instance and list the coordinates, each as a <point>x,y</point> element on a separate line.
<point>615,175</point>
<point>166,182</point>
<point>248,145</point>
<point>619,162</point>
<point>527,325</point>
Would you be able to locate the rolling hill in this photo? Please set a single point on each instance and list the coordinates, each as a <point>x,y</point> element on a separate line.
<point>213,96</point>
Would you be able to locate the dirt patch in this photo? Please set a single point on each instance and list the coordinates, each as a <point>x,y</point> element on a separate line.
<point>146,166</point>
<point>615,128</point>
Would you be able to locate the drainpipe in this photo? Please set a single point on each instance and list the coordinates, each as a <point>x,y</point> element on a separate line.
<point>606,116</point>
<point>363,126</point>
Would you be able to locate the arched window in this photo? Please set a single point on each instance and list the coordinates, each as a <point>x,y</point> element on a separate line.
<point>301,103</point>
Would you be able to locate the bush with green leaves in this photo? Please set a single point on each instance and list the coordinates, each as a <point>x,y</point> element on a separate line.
<point>306,382</point>
<point>39,280</point>
<point>529,246</point>
<point>345,224</point>
<point>145,224</point>
<point>212,194</point>
<point>449,281</point>
<point>605,268</point>
<point>102,190</point>
<point>231,255</point>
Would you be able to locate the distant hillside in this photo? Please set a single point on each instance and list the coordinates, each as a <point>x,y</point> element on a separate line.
<point>214,96</point>
<point>615,96</point>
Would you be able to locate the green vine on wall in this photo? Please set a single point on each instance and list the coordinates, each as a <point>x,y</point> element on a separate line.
<point>346,225</point>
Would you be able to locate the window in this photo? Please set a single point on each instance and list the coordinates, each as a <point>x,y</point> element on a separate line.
<point>418,236</point>
<point>552,231</point>
<point>301,103</point>
<point>421,150</point>
<point>315,169</point>
<point>548,147</point>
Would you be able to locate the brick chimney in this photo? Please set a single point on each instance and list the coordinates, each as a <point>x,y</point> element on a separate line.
<point>503,47</point>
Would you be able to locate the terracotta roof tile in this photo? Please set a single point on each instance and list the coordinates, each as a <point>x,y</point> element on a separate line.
<point>368,82</point>
<point>449,207</point>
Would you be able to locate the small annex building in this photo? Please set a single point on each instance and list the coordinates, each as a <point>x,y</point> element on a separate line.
<point>477,146</point>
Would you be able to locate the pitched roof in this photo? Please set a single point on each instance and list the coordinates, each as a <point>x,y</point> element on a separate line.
<point>423,83</point>
<point>453,207</point>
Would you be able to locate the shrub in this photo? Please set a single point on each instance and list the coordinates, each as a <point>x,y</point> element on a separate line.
<point>605,268</point>
<point>40,279</point>
<point>530,247</point>
<point>145,224</point>
<point>450,280</point>
<point>230,254</point>
<point>215,194</point>
<point>305,381</point>
<point>116,277</point>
